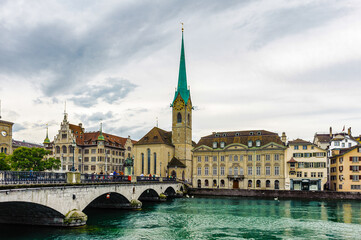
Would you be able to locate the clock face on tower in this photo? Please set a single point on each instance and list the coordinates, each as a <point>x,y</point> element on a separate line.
<point>3,133</point>
<point>179,104</point>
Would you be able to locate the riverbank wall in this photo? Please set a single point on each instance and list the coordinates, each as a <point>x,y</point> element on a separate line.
<point>271,194</point>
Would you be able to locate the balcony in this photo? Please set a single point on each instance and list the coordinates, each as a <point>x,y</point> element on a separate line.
<point>236,177</point>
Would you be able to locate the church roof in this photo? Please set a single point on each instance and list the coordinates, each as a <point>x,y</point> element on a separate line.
<point>241,137</point>
<point>175,163</point>
<point>156,136</point>
<point>182,88</point>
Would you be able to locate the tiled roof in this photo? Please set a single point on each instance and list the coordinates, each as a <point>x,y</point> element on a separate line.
<point>156,136</point>
<point>25,144</point>
<point>241,137</point>
<point>300,141</point>
<point>175,163</point>
<point>345,150</point>
<point>323,137</point>
<point>292,160</point>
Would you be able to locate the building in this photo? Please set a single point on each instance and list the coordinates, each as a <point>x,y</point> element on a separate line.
<point>345,170</point>
<point>169,153</point>
<point>241,159</point>
<point>6,133</point>
<point>94,151</point>
<point>306,166</point>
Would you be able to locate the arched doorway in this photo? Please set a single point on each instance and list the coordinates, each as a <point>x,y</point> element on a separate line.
<point>214,183</point>
<point>199,183</point>
<point>206,183</point>
<point>258,183</point>
<point>249,183</point>
<point>277,184</point>
<point>174,174</point>
<point>235,184</point>
<point>222,183</point>
<point>268,183</point>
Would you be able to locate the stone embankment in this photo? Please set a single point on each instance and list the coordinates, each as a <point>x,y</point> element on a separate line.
<point>271,194</point>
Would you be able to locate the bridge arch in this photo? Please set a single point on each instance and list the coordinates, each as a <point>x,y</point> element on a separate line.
<point>29,213</point>
<point>109,200</point>
<point>170,192</point>
<point>149,195</point>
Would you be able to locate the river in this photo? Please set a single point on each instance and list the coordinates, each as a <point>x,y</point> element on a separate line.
<point>211,218</point>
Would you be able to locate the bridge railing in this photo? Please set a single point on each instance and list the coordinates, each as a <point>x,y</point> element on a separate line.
<point>147,179</point>
<point>98,178</point>
<point>30,177</point>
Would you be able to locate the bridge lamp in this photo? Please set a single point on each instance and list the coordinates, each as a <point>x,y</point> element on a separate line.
<point>108,195</point>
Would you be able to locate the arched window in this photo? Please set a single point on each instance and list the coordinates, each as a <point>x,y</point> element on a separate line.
<point>189,119</point>
<point>206,183</point>
<point>64,149</point>
<point>214,183</point>
<point>2,149</point>
<point>5,150</point>
<point>258,183</point>
<point>155,163</point>
<point>57,149</point>
<point>268,183</point>
<point>222,183</point>
<point>179,118</point>
<point>71,149</point>
<point>199,183</point>
<point>148,156</point>
<point>277,184</point>
<point>142,163</point>
<point>249,183</point>
<point>241,171</point>
<point>235,171</point>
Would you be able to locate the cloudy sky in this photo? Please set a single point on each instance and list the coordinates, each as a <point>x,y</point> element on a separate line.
<point>291,66</point>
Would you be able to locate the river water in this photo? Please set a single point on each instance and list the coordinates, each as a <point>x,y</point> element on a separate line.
<point>211,218</point>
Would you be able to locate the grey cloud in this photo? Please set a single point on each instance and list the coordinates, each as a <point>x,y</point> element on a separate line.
<point>114,90</point>
<point>95,117</point>
<point>18,127</point>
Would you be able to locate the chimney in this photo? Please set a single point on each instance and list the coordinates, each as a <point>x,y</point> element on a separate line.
<point>284,138</point>
<point>330,132</point>
<point>80,125</point>
<point>349,131</point>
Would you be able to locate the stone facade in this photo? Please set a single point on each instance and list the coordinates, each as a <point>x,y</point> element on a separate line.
<point>306,166</point>
<point>6,133</point>
<point>242,159</point>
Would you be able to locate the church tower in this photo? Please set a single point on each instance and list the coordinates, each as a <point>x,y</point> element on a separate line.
<point>182,117</point>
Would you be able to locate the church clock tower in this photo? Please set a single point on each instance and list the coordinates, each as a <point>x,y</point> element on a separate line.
<point>182,117</point>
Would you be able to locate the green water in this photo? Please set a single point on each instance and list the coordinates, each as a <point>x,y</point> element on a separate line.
<point>210,218</point>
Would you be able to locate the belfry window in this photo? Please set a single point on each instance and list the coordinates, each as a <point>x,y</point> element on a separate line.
<point>189,119</point>
<point>179,118</point>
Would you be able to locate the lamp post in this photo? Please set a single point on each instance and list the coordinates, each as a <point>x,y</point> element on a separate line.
<point>74,145</point>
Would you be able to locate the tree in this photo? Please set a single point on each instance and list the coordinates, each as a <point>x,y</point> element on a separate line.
<point>26,159</point>
<point>4,162</point>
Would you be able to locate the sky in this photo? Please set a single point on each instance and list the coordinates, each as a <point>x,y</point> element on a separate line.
<point>277,65</point>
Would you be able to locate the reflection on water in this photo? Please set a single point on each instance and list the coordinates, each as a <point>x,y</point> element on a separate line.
<point>210,218</point>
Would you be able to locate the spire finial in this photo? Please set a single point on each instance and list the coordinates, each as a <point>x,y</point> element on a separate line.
<point>101,137</point>
<point>182,27</point>
<point>46,140</point>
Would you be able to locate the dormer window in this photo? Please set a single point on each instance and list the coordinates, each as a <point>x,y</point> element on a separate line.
<point>237,134</point>
<point>258,133</point>
<point>214,144</point>
<point>224,135</point>
<point>258,143</point>
<point>249,143</point>
<point>222,144</point>
<point>251,133</point>
<point>216,135</point>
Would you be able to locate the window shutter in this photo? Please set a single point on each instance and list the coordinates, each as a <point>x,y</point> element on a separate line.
<point>350,168</point>
<point>350,177</point>
<point>314,154</point>
<point>359,159</point>
<point>351,159</point>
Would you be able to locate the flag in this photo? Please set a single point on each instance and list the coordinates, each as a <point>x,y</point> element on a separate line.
<point>343,129</point>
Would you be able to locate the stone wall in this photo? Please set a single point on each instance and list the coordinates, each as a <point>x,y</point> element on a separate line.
<point>280,194</point>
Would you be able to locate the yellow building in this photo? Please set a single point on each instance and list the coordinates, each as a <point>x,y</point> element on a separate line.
<point>345,166</point>
<point>94,151</point>
<point>6,132</point>
<point>165,153</point>
<point>306,166</point>
<point>242,159</point>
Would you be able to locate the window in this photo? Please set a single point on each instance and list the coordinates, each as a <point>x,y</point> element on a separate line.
<point>241,171</point>
<point>349,145</point>
<point>63,136</point>
<point>295,147</point>
<point>320,154</point>
<point>241,158</point>
<point>214,170</point>
<point>214,144</point>
<point>235,158</point>
<point>199,171</point>
<point>86,151</point>
<point>148,158</point>
<point>343,144</point>
<point>206,171</point>
<point>249,170</point>
<point>92,167</point>
<point>320,174</point>
<point>236,171</point>
<point>189,119</point>
<point>304,147</point>
<point>199,159</point>
<point>214,158</point>
<point>268,157</point>
<point>93,159</point>
<point>258,183</point>
<point>142,162</point>
<point>354,159</point>
<point>258,157</point>
<point>93,151</point>
<point>277,171</point>
<point>222,144</point>
<point>355,186</point>
<point>57,149</point>
<point>230,171</point>
<point>277,184</point>
<point>230,158</point>
<point>206,158</point>
<point>249,157</point>
<point>298,155</point>
<point>258,171</point>
<point>308,155</point>
<point>64,149</point>
<point>179,118</point>
<point>268,183</point>
<point>354,168</point>
<point>354,177</point>
<point>268,171</point>
<point>206,183</point>
<point>249,143</point>
<point>313,174</point>
<point>222,158</point>
<point>155,163</point>
<point>249,183</point>
<point>337,143</point>
<point>341,159</point>
<point>222,171</point>
<point>305,174</point>
<point>340,186</point>
<point>86,159</point>
<point>277,157</point>
<point>258,143</point>
<point>86,167</point>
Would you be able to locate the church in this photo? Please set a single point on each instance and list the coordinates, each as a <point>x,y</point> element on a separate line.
<point>169,153</point>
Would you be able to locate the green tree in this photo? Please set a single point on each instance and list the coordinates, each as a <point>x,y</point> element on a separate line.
<point>26,159</point>
<point>4,162</point>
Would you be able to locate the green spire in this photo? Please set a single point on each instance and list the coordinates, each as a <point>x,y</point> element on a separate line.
<point>182,88</point>
<point>101,137</point>
<point>46,140</point>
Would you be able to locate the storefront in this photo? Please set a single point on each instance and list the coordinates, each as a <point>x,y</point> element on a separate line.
<point>305,184</point>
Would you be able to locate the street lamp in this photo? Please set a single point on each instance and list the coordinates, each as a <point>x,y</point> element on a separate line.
<point>74,145</point>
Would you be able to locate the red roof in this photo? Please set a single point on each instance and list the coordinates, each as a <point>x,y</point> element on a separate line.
<point>292,160</point>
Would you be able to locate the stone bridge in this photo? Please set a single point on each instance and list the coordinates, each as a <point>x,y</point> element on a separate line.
<point>64,205</point>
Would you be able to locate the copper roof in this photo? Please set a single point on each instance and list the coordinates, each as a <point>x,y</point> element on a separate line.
<point>241,137</point>
<point>292,160</point>
<point>156,136</point>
